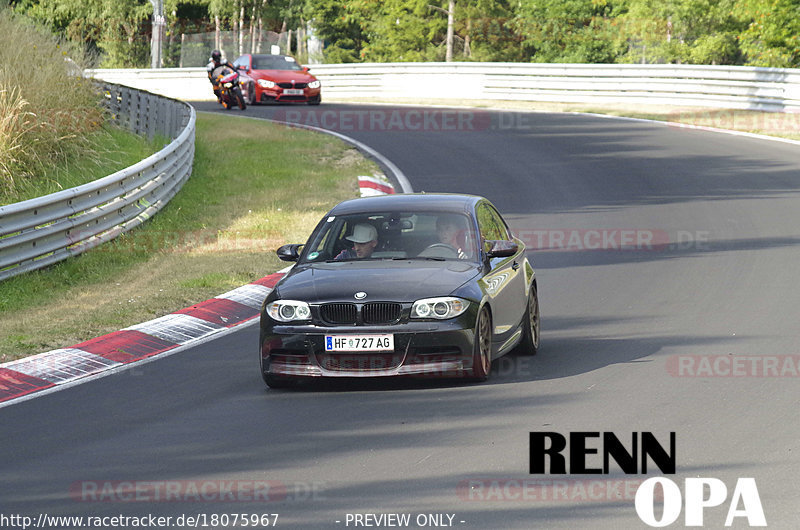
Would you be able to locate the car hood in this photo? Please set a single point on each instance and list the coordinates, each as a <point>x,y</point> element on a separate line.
<point>283,76</point>
<point>401,281</point>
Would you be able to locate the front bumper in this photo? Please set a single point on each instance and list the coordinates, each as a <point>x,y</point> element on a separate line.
<point>430,349</point>
<point>277,95</point>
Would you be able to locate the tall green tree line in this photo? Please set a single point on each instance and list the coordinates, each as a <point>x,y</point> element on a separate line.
<point>748,32</point>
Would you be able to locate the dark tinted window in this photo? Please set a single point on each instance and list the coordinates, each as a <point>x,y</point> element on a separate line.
<point>397,235</point>
<point>274,62</point>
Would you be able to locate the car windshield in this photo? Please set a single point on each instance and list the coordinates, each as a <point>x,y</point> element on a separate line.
<point>274,62</point>
<point>392,235</point>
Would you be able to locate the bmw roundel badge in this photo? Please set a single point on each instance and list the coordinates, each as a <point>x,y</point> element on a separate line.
<point>360,295</point>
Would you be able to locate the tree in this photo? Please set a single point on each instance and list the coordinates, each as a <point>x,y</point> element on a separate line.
<point>184,17</point>
<point>343,27</point>
<point>772,33</point>
<point>128,19</point>
<point>570,31</point>
<point>675,31</point>
<point>489,31</point>
<point>119,29</point>
<point>756,32</point>
<point>404,30</point>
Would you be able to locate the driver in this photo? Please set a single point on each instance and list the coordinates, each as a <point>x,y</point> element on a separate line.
<point>364,238</point>
<point>212,69</point>
<point>451,233</point>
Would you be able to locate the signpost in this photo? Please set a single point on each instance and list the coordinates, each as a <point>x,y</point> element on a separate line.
<point>157,41</point>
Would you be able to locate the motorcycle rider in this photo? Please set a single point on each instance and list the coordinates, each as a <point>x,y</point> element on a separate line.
<point>212,69</point>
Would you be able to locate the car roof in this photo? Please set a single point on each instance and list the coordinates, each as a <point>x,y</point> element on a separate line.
<point>444,202</point>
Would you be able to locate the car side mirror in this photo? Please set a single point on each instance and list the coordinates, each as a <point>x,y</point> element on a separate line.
<point>501,248</point>
<point>289,252</point>
<point>305,69</point>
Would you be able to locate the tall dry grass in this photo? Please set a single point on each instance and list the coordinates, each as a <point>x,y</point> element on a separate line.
<point>47,110</point>
<point>12,127</point>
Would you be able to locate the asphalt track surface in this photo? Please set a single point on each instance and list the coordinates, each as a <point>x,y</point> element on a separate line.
<point>614,322</point>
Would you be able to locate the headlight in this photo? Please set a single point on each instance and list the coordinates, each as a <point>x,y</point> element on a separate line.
<point>440,308</point>
<point>228,85</point>
<point>266,83</point>
<point>314,84</point>
<point>288,310</point>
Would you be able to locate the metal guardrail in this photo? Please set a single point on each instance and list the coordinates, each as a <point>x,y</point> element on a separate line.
<point>42,231</point>
<point>741,87</point>
<point>773,89</point>
<point>179,83</point>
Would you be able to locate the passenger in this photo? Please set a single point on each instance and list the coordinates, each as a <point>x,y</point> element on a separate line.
<point>364,238</point>
<point>451,232</point>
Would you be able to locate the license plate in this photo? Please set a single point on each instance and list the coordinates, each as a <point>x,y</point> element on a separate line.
<point>293,91</point>
<point>359,342</point>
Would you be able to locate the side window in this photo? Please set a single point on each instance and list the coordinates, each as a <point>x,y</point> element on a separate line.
<point>501,226</point>
<point>490,223</point>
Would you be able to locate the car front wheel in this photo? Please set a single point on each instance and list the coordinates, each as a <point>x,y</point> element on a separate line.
<point>482,357</point>
<point>251,94</point>
<point>529,344</point>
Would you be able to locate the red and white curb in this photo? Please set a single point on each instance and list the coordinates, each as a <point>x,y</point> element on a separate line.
<point>193,325</point>
<point>188,326</point>
<point>376,185</point>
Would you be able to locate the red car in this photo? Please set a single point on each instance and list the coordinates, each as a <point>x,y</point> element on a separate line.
<point>277,78</point>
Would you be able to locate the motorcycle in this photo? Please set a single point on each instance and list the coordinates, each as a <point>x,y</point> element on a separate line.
<point>230,91</point>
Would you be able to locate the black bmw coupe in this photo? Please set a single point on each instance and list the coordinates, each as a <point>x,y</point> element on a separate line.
<point>401,285</point>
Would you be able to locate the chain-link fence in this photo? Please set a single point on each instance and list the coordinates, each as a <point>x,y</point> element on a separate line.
<point>195,49</point>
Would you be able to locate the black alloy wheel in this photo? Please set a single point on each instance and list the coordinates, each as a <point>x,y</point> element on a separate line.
<point>482,358</point>
<point>529,344</point>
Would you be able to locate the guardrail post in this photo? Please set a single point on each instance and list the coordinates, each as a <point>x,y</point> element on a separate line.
<point>119,96</point>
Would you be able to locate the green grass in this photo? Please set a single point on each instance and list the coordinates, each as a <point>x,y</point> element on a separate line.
<point>254,187</point>
<point>113,149</point>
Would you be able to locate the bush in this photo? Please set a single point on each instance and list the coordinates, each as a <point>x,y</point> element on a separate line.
<point>47,109</point>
